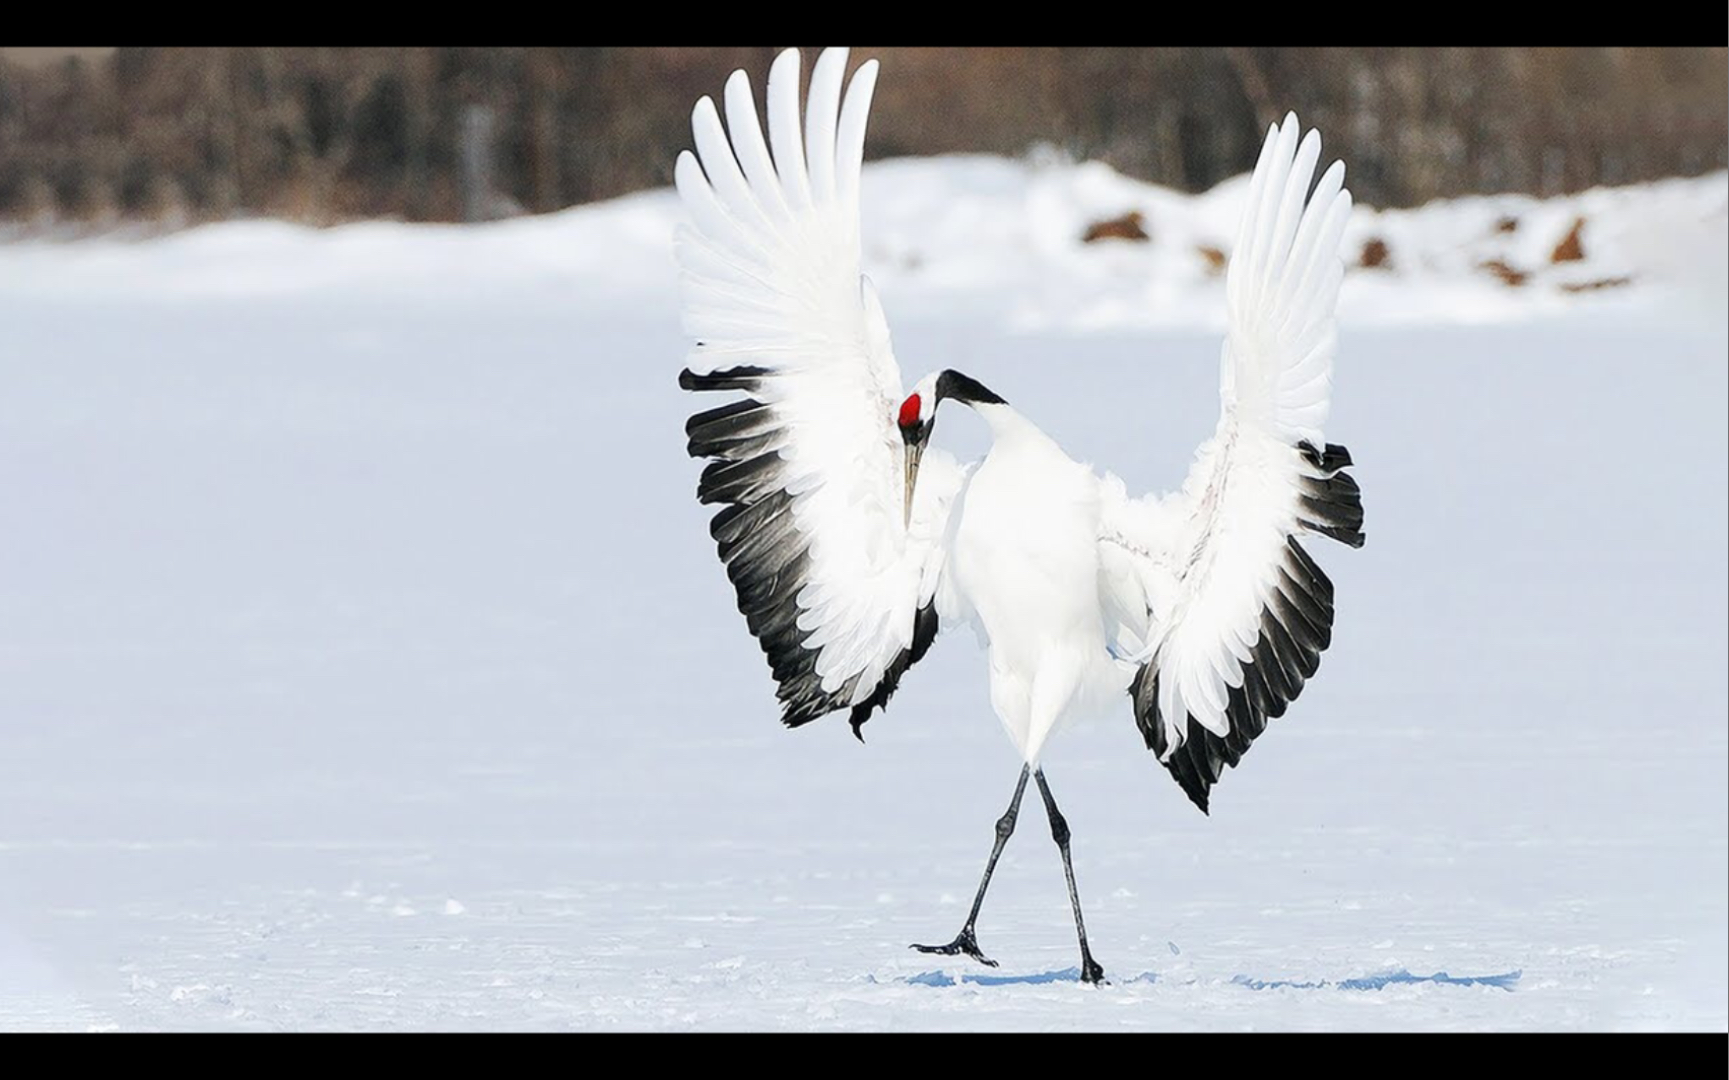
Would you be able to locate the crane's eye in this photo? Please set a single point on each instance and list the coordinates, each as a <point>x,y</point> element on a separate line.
<point>910,412</point>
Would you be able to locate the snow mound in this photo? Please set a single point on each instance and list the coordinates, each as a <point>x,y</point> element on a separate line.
<point>980,235</point>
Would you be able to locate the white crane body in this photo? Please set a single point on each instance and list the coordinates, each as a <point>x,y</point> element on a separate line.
<point>1025,562</point>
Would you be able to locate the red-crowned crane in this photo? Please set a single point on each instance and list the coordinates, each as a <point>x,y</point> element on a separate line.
<point>850,541</point>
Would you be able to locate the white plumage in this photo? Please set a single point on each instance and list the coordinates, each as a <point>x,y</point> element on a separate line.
<point>1025,562</point>
<point>849,543</point>
<point>770,272</point>
<point>1216,551</point>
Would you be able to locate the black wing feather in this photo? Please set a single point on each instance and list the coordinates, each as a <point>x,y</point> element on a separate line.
<point>767,558</point>
<point>1296,627</point>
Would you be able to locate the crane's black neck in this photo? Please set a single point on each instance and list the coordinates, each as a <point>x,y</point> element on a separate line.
<point>953,385</point>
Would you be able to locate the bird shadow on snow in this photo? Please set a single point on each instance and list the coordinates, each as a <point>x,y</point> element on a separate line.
<point>1038,978</point>
<point>1503,981</point>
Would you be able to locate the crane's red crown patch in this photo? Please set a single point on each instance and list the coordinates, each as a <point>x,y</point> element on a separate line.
<point>910,411</point>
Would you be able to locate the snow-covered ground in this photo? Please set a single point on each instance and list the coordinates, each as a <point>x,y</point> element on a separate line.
<point>364,661</point>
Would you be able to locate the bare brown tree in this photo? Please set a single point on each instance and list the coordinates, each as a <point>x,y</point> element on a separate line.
<point>328,134</point>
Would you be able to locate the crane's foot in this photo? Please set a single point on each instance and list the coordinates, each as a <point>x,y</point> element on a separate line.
<point>1091,972</point>
<point>963,944</point>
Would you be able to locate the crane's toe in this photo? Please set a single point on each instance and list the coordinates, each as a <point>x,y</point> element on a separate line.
<point>965,943</point>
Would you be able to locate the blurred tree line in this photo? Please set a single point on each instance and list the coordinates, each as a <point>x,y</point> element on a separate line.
<point>448,134</point>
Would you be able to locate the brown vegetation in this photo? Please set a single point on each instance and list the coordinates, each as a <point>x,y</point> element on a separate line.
<point>1375,255</point>
<point>1570,249</point>
<point>1509,276</point>
<point>446,133</point>
<point>1130,226</point>
<point>1593,286</point>
<point>1214,258</point>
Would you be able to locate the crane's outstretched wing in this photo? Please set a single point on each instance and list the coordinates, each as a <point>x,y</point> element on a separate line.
<point>810,467</point>
<point>1209,586</point>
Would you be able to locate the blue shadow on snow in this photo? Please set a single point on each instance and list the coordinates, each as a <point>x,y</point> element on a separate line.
<point>1503,981</point>
<point>1040,978</point>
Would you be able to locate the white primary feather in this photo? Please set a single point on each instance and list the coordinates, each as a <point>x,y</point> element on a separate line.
<point>769,266</point>
<point>1186,579</point>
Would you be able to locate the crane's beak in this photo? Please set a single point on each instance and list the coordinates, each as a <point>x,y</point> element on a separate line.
<point>915,451</point>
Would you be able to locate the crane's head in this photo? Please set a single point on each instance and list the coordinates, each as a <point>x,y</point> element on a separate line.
<point>918,415</point>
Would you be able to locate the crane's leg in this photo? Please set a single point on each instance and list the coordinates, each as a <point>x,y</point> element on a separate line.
<point>966,942</point>
<point>1091,972</point>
